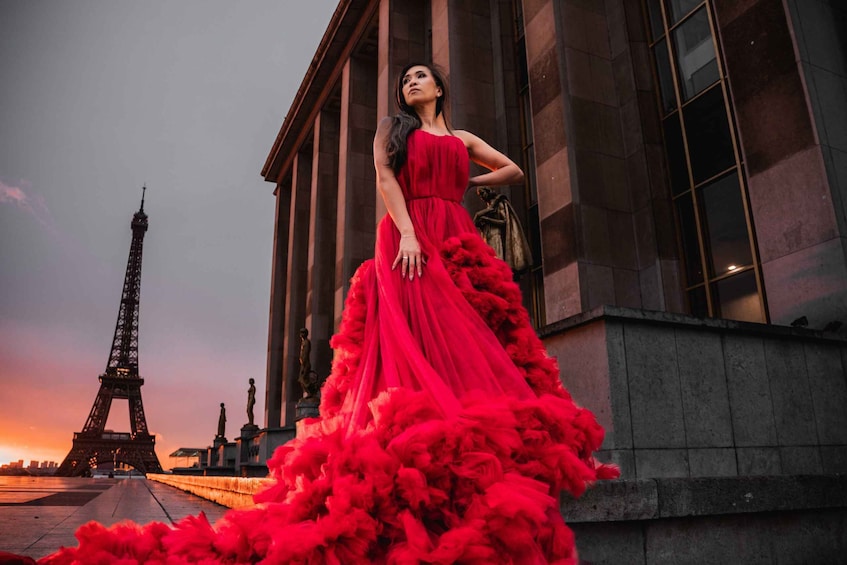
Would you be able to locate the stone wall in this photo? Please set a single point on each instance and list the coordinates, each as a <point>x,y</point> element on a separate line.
<point>798,519</point>
<point>687,397</point>
<point>232,492</point>
<point>750,520</point>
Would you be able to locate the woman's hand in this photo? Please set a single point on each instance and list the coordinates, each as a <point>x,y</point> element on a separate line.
<point>409,257</point>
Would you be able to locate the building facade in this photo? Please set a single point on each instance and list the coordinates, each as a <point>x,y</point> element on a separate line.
<point>685,200</point>
<point>681,156</point>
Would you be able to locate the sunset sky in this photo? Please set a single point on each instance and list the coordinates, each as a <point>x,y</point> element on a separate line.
<point>99,97</point>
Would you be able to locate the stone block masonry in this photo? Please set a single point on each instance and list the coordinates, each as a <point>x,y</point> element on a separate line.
<point>232,492</point>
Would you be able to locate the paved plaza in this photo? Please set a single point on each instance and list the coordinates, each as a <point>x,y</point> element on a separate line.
<point>38,515</point>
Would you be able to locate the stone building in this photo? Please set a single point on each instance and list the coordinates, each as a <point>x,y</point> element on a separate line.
<point>686,202</point>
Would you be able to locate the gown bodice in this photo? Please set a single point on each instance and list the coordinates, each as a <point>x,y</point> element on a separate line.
<point>433,180</point>
<point>436,166</point>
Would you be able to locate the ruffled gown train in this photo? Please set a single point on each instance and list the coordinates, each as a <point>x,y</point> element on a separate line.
<point>445,433</point>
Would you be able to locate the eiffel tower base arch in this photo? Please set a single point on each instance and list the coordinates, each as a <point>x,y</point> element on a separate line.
<point>137,452</point>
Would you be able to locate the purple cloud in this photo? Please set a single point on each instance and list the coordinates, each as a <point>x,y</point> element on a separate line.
<point>32,204</point>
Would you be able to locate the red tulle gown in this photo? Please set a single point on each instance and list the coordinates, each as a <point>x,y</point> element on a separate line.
<point>445,434</point>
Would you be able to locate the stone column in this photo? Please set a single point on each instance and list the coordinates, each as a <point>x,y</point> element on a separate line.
<point>356,206</point>
<point>656,245</point>
<point>322,239</point>
<point>296,287</point>
<point>559,238</point>
<point>276,326</point>
<point>604,208</point>
<point>463,34</point>
<point>402,39</point>
<point>478,65</point>
<point>507,137</point>
<point>462,40</point>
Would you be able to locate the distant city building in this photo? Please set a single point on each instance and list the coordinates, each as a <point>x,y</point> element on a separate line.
<point>34,468</point>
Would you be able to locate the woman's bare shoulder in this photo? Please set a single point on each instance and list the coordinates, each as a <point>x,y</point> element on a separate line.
<point>384,125</point>
<point>467,137</point>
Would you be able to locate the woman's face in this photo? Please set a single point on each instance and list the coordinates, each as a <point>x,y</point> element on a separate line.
<point>419,86</point>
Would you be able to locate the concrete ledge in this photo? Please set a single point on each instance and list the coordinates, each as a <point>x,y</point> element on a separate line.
<point>232,492</point>
<point>652,499</point>
<point>615,501</point>
<point>684,320</point>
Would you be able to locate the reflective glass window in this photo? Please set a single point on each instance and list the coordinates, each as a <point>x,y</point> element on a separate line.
<point>724,226</point>
<point>707,133</point>
<point>530,174</point>
<point>526,110</point>
<point>676,155</point>
<point>697,65</point>
<point>703,163</point>
<point>534,231</point>
<point>663,67</point>
<point>532,282</point>
<point>678,9</point>
<point>697,305</point>
<point>523,73</point>
<point>690,246</point>
<point>539,308</point>
<point>737,297</point>
<point>654,11</point>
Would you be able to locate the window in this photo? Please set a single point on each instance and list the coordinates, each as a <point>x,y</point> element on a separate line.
<point>705,168</point>
<point>696,61</point>
<point>535,275</point>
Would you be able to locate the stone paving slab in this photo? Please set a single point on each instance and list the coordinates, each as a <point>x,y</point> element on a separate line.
<point>38,515</point>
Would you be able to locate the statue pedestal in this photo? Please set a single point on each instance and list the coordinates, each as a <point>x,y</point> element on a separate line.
<point>249,430</point>
<point>307,407</point>
<point>217,455</point>
<point>247,452</point>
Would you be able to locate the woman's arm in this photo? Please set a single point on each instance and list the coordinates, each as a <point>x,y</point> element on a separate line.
<point>503,170</point>
<point>395,203</point>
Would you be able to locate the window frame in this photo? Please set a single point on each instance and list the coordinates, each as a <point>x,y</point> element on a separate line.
<point>693,188</point>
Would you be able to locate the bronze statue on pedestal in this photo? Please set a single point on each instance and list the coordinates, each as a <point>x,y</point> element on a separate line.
<point>499,226</point>
<point>222,423</point>
<point>251,401</point>
<point>309,380</point>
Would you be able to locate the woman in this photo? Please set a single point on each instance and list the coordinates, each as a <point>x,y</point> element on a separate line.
<point>445,435</point>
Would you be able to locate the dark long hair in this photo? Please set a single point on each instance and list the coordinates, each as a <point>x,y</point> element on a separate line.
<point>406,120</point>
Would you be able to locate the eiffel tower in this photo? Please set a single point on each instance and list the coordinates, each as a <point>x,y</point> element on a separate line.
<point>94,444</point>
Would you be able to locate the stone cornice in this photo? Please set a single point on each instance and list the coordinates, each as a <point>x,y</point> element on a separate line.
<point>347,25</point>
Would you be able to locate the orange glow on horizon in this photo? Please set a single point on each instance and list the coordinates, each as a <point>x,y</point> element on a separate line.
<point>11,452</point>
<point>48,392</point>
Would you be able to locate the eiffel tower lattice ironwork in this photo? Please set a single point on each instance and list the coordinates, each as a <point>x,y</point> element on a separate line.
<point>95,444</point>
